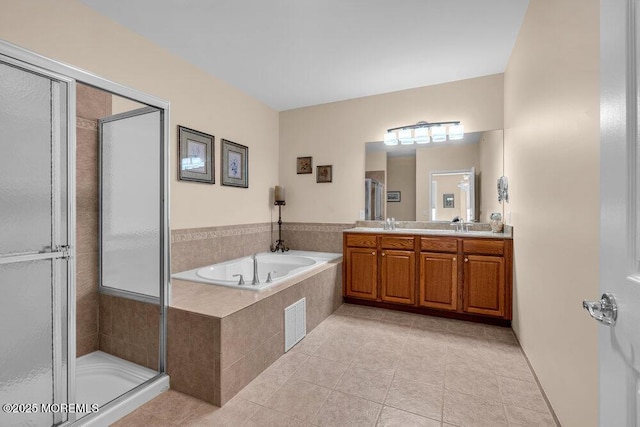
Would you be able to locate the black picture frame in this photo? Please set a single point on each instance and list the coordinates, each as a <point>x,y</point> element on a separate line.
<point>394,196</point>
<point>196,158</point>
<point>324,173</point>
<point>448,201</point>
<point>304,165</point>
<point>234,167</point>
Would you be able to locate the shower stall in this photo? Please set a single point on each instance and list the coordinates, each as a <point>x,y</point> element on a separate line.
<point>84,244</point>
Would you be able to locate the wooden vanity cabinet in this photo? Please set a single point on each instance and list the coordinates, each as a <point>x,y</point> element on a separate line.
<point>361,266</point>
<point>397,270</point>
<point>484,287</point>
<point>466,277</point>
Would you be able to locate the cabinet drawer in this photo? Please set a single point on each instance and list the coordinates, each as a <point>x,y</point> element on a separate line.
<point>361,240</point>
<point>439,244</point>
<point>397,242</point>
<point>485,247</point>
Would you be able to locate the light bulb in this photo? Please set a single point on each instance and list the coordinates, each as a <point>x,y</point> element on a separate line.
<point>438,134</point>
<point>421,135</point>
<point>390,138</point>
<point>405,136</point>
<point>456,132</point>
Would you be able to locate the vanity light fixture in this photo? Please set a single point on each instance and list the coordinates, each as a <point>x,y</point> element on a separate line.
<point>419,133</point>
<point>456,132</point>
<point>390,138</point>
<point>438,134</point>
<point>405,136</point>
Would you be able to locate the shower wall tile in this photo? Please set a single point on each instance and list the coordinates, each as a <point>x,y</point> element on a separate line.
<point>130,330</point>
<point>92,103</point>
<point>86,344</point>
<point>86,274</point>
<point>86,167</point>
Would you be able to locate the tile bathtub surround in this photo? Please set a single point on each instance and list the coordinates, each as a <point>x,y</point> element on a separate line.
<point>91,104</point>
<point>130,330</point>
<point>301,389</point>
<point>198,247</point>
<point>229,351</point>
<point>314,236</point>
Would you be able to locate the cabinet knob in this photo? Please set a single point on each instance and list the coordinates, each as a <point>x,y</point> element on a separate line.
<point>466,260</point>
<point>383,253</point>
<point>454,258</point>
<point>373,253</point>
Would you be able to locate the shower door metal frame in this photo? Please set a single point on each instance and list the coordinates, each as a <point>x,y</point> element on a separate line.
<point>107,290</point>
<point>29,59</point>
<point>57,250</point>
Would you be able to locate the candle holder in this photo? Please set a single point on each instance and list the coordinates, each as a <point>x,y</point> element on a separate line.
<point>279,246</point>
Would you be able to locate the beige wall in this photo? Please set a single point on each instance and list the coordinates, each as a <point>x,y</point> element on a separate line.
<point>70,32</point>
<point>336,133</point>
<point>376,161</point>
<point>401,177</point>
<point>491,168</point>
<point>552,161</point>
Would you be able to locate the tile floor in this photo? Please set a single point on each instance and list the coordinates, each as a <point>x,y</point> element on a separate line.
<point>365,366</point>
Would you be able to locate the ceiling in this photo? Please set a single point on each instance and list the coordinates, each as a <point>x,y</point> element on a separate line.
<point>296,53</point>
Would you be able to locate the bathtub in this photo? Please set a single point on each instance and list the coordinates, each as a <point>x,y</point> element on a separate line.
<point>281,266</point>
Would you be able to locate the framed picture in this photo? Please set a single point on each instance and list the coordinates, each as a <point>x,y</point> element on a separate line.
<point>393,196</point>
<point>324,173</point>
<point>448,200</point>
<point>195,156</point>
<point>235,164</point>
<point>304,165</point>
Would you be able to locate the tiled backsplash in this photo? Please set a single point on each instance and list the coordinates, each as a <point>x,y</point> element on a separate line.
<point>197,247</point>
<point>314,236</point>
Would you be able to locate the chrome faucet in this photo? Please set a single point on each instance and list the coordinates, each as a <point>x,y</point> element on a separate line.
<point>256,280</point>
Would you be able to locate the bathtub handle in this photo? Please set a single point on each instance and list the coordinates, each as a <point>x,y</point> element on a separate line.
<point>241,281</point>
<point>269,280</point>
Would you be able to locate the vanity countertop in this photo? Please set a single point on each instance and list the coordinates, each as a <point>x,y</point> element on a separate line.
<point>433,232</point>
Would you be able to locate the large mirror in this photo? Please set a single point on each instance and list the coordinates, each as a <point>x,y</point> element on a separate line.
<point>435,181</point>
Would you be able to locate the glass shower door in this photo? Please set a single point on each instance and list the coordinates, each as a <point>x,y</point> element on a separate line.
<point>35,264</point>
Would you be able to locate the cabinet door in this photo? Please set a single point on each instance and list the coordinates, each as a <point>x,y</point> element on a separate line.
<point>439,281</point>
<point>484,285</point>
<point>362,273</point>
<point>398,276</point>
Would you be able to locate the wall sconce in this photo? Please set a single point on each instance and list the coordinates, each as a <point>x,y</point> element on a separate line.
<point>424,132</point>
<point>503,189</point>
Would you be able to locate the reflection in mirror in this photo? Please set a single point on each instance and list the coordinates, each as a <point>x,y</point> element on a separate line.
<point>407,169</point>
<point>453,195</point>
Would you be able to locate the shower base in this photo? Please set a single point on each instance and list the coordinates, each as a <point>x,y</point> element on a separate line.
<point>101,377</point>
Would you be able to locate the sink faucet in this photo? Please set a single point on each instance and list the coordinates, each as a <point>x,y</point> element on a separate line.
<point>458,223</point>
<point>256,280</point>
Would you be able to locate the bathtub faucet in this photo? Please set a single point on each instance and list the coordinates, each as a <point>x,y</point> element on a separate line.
<point>256,280</point>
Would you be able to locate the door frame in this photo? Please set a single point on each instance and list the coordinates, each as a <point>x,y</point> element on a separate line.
<point>618,190</point>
